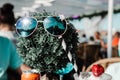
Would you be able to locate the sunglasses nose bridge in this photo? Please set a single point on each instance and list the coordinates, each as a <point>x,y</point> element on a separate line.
<point>40,21</point>
<point>62,17</point>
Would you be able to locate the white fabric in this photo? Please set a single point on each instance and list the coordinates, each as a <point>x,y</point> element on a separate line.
<point>114,71</point>
<point>9,34</point>
<point>104,76</point>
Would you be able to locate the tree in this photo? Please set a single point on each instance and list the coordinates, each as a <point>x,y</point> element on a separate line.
<point>45,52</point>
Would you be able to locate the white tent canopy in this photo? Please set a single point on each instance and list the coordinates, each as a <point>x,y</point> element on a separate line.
<point>66,7</point>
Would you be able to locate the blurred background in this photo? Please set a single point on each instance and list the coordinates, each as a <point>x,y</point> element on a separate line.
<point>87,16</point>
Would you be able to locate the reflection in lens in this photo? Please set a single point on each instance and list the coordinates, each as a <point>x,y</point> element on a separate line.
<point>54,25</point>
<point>65,70</point>
<point>26,26</point>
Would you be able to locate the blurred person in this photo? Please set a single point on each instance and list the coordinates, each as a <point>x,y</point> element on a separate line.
<point>91,40</point>
<point>119,48</point>
<point>97,38</point>
<point>115,42</point>
<point>9,59</point>
<point>103,45</point>
<point>115,39</point>
<point>7,21</point>
<point>83,39</point>
<point>104,38</point>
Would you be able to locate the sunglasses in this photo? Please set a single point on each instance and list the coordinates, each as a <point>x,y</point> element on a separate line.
<point>54,25</point>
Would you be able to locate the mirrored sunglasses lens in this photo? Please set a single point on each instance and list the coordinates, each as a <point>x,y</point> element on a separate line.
<point>54,25</point>
<point>26,26</point>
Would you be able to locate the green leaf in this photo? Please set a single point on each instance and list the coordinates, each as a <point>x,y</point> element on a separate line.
<point>43,51</point>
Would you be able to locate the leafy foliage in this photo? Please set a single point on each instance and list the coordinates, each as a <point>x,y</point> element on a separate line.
<point>45,52</point>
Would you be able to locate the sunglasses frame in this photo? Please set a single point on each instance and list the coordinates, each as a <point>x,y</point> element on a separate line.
<point>32,31</point>
<point>43,26</point>
<point>53,34</point>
